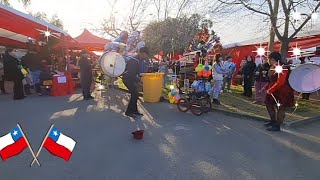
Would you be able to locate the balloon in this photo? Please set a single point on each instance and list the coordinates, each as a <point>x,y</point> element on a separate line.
<point>202,68</point>
<point>207,68</point>
<point>172,101</point>
<point>177,97</point>
<point>199,73</point>
<point>209,73</point>
<point>205,73</point>
<point>210,67</point>
<point>173,92</point>
<point>197,69</point>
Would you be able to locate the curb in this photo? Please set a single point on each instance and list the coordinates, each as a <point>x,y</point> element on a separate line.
<point>234,114</point>
<point>303,122</point>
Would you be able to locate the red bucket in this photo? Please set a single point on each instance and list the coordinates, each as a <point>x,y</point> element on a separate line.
<point>138,134</point>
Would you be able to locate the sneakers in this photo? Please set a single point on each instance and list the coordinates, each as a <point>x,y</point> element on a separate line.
<point>229,91</point>
<point>221,91</point>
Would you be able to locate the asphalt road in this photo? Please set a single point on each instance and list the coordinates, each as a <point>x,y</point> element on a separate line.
<point>177,146</point>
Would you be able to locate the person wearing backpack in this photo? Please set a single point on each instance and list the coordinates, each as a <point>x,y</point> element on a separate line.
<point>131,80</point>
<point>279,93</point>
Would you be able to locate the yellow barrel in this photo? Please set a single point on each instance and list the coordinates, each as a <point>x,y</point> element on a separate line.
<point>152,86</point>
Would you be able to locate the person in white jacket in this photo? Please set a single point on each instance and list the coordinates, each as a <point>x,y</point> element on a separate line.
<point>227,80</point>
<point>218,71</point>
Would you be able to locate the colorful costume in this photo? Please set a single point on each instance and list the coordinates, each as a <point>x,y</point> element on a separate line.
<point>280,88</point>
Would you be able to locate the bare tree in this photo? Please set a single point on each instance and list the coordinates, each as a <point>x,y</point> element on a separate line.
<point>158,4</point>
<point>24,2</point>
<point>280,20</point>
<point>170,8</point>
<point>131,21</point>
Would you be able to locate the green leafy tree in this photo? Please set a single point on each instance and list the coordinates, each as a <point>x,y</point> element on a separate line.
<point>171,34</point>
<point>55,20</point>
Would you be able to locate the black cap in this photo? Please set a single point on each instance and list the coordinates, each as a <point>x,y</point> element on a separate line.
<point>144,50</point>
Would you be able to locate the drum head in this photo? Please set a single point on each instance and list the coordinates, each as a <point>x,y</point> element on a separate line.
<point>112,64</point>
<point>305,78</point>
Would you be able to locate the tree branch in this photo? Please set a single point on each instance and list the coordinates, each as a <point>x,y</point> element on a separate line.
<point>304,23</point>
<point>273,21</point>
<point>252,9</point>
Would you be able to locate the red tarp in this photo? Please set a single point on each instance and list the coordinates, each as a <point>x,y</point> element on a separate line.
<point>16,27</point>
<point>239,53</point>
<point>91,42</point>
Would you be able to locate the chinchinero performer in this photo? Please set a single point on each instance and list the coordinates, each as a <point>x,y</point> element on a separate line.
<point>131,80</point>
<point>279,93</point>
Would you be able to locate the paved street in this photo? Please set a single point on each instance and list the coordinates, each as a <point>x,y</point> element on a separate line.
<point>177,146</point>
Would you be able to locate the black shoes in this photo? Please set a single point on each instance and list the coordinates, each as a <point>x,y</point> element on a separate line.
<point>134,115</point>
<point>19,98</point>
<point>274,128</point>
<point>130,115</point>
<point>138,113</point>
<point>87,97</point>
<point>270,123</point>
<point>216,101</point>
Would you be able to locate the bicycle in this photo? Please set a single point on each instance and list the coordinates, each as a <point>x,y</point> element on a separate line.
<point>197,102</point>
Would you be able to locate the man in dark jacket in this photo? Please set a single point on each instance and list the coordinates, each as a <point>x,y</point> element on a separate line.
<point>85,75</point>
<point>13,73</point>
<point>248,76</point>
<point>131,80</point>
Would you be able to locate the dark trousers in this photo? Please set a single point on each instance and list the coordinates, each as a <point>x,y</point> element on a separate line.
<point>86,91</point>
<point>27,89</point>
<point>247,86</point>
<point>38,87</point>
<point>133,90</point>
<point>306,96</point>
<point>3,90</point>
<point>18,89</point>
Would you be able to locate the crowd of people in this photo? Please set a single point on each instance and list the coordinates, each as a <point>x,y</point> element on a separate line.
<point>28,73</point>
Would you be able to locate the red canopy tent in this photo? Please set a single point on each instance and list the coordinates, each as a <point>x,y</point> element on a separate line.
<point>18,28</point>
<point>91,42</point>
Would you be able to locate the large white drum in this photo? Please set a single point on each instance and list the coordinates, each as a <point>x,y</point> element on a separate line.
<point>112,64</point>
<point>305,78</point>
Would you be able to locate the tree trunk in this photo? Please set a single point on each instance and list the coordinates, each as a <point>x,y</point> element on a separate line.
<point>284,48</point>
<point>272,33</point>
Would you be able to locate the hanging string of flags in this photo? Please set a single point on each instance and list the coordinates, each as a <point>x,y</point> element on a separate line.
<point>55,142</point>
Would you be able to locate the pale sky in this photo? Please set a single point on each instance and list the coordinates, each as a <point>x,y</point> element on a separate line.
<point>79,14</point>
